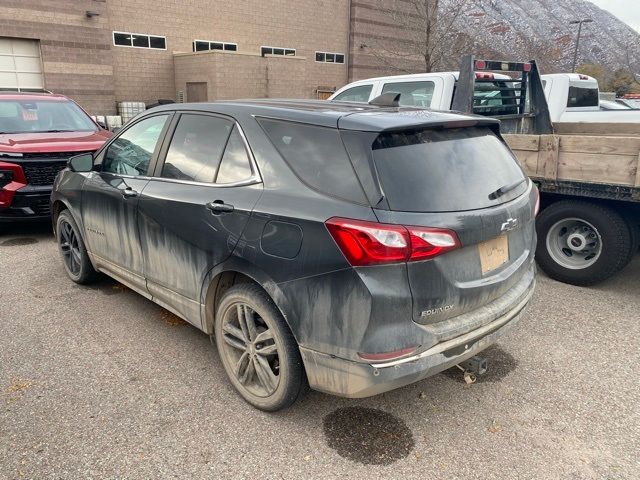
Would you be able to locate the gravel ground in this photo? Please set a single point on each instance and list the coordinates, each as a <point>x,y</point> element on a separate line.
<point>101,383</point>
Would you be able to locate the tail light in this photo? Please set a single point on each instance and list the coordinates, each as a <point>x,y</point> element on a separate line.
<point>370,243</point>
<point>485,76</point>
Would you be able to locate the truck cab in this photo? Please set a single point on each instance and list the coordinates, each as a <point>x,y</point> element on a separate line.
<point>575,98</point>
<point>432,90</point>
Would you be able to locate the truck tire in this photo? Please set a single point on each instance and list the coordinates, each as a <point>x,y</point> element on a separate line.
<point>582,243</point>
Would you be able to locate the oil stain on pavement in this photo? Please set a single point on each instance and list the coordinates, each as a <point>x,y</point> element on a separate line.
<point>499,362</point>
<point>367,435</point>
<point>15,242</point>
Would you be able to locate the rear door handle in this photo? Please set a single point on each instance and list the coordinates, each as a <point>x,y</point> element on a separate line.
<point>129,193</point>
<point>218,206</point>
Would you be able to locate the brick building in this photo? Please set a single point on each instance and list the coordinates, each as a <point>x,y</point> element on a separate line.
<point>100,52</point>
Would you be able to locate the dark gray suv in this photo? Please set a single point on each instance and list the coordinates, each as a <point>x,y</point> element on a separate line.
<point>347,247</point>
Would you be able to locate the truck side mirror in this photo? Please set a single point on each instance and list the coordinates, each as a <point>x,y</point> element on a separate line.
<point>81,163</point>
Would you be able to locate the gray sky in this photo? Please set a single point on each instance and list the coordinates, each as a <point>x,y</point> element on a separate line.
<point>626,10</point>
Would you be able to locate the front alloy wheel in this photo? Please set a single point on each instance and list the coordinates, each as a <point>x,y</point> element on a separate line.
<point>74,254</point>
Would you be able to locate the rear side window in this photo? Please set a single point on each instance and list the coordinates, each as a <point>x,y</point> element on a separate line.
<point>360,94</point>
<point>445,170</point>
<point>317,156</point>
<point>196,148</point>
<point>412,94</point>
<point>235,165</point>
<point>582,97</point>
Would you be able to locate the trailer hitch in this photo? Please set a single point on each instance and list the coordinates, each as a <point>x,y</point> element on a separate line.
<point>472,368</point>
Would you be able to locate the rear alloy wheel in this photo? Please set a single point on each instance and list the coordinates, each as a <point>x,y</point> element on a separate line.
<point>582,243</point>
<point>74,254</point>
<point>257,349</point>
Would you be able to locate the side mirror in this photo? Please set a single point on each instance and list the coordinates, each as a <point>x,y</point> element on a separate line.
<point>116,129</point>
<point>101,124</point>
<point>81,163</point>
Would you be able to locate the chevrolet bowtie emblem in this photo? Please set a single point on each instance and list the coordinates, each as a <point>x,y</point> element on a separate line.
<point>510,224</point>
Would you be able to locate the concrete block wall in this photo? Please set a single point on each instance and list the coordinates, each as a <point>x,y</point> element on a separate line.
<point>75,50</point>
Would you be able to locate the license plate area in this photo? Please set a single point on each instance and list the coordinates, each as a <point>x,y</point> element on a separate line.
<point>493,253</point>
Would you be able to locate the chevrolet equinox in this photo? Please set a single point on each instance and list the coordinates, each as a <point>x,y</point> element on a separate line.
<point>350,248</point>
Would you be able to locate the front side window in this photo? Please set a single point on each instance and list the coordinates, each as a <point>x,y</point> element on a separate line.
<point>196,147</point>
<point>412,94</point>
<point>360,93</point>
<point>37,116</point>
<point>131,152</point>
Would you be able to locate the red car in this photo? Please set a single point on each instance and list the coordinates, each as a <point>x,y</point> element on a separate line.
<point>39,132</point>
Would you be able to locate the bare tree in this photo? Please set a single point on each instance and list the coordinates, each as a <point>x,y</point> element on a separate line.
<point>427,36</point>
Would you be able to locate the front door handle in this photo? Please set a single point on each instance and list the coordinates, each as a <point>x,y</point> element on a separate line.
<point>218,206</point>
<point>129,193</point>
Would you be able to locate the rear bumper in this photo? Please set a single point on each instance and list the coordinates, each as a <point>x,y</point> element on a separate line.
<point>346,378</point>
<point>28,203</point>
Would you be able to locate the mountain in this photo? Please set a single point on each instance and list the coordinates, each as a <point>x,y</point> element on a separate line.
<point>540,29</point>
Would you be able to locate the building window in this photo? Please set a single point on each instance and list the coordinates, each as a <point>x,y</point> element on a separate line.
<point>206,45</point>
<point>327,57</point>
<point>289,52</point>
<point>139,40</point>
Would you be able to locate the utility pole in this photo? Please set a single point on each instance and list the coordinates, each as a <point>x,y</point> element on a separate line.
<point>575,53</point>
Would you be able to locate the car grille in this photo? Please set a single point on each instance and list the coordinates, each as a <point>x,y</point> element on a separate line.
<point>42,173</point>
<point>53,155</point>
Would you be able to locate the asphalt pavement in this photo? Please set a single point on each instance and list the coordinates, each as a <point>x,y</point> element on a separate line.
<point>98,382</point>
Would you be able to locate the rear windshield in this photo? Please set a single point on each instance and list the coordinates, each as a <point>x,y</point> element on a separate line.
<point>38,116</point>
<point>446,170</point>
<point>583,97</point>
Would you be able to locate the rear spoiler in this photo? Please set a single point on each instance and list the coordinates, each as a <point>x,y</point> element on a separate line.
<point>522,108</point>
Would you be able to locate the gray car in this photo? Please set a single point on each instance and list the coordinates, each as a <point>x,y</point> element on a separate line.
<point>346,247</point>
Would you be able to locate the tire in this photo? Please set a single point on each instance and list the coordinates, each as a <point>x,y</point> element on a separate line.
<point>603,235</point>
<point>72,250</point>
<point>271,348</point>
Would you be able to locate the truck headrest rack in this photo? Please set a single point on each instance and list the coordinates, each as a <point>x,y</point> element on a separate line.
<point>521,104</point>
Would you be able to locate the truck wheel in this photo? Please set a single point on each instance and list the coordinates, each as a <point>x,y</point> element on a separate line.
<point>582,243</point>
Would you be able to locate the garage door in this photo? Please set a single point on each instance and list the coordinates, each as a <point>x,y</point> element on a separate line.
<point>20,65</point>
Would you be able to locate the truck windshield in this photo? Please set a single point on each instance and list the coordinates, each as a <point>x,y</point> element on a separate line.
<point>446,170</point>
<point>39,116</point>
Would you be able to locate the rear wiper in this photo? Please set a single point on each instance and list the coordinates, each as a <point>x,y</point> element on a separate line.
<point>507,188</point>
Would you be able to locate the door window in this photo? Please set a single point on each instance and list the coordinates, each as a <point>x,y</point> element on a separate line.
<point>360,93</point>
<point>412,94</point>
<point>196,148</point>
<point>131,152</point>
<point>235,165</point>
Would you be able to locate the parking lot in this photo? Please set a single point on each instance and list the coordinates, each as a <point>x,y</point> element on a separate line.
<point>98,382</point>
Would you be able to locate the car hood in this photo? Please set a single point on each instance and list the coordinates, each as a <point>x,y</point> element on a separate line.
<point>52,142</point>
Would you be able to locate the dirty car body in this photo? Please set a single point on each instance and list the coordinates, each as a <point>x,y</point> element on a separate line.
<point>395,242</point>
